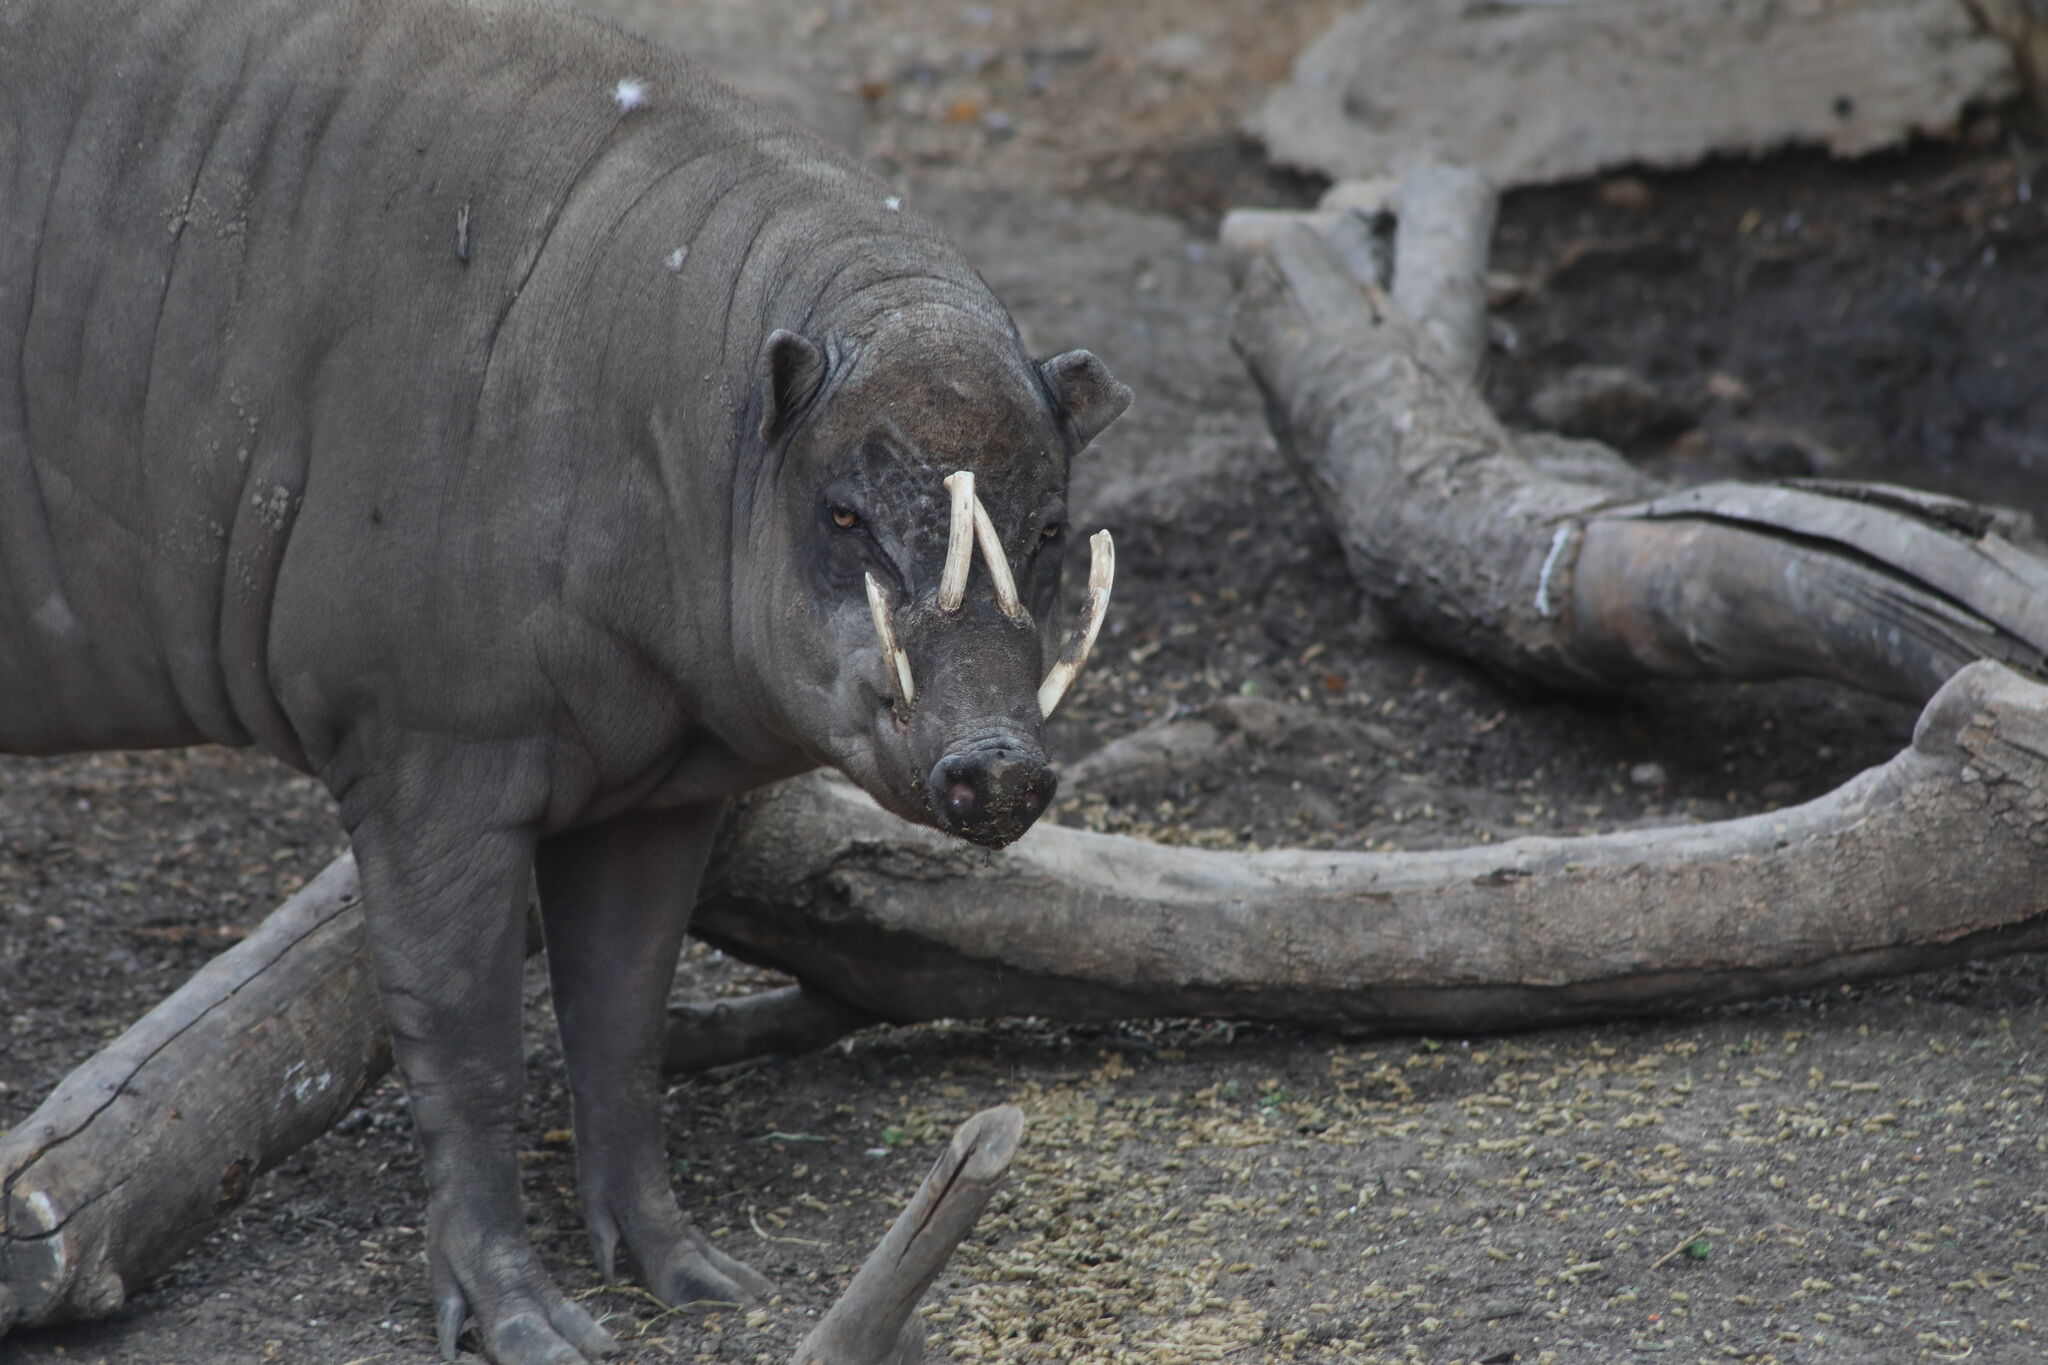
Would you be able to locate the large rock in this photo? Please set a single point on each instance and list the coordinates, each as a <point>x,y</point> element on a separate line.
<point>1534,93</point>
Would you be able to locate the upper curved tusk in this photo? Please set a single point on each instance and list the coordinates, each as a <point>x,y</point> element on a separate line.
<point>959,541</point>
<point>1101,574</point>
<point>885,631</point>
<point>998,563</point>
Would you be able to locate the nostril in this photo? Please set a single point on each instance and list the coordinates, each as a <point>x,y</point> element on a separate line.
<point>1033,804</point>
<point>963,802</point>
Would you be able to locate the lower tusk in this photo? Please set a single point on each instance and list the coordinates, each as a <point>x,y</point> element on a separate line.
<point>959,541</point>
<point>1101,573</point>
<point>885,631</point>
<point>998,563</point>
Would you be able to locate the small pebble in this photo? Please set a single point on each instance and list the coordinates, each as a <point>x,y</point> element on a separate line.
<point>1728,388</point>
<point>1177,54</point>
<point>1648,775</point>
<point>1626,192</point>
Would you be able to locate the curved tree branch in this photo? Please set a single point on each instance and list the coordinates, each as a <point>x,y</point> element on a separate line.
<point>1578,582</point>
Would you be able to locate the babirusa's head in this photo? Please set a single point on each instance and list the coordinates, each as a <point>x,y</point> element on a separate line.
<point>903,580</point>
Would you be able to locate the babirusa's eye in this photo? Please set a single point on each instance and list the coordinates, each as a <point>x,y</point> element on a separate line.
<point>844,518</point>
<point>1052,529</point>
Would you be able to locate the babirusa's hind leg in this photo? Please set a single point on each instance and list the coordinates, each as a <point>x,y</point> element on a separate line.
<point>616,899</point>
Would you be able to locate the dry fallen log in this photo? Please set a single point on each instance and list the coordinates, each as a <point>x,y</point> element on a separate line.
<point>1928,860</point>
<point>871,1324</point>
<point>1578,582</point>
<point>136,1154</point>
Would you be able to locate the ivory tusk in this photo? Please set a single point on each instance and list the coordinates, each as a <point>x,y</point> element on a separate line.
<point>959,541</point>
<point>885,631</point>
<point>998,563</point>
<point>1101,574</point>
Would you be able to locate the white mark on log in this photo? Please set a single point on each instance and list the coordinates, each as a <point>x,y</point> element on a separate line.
<point>304,1087</point>
<point>629,94</point>
<point>1550,561</point>
<point>44,1210</point>
<point>893,203</point>
<point>677,257</point>
<point>462,233</point>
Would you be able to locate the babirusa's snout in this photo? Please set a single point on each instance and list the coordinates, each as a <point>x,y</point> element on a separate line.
<point>1101,575</point>
<point>990,792</point>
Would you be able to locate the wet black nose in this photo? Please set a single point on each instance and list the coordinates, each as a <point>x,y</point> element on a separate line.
<point>989,793</point>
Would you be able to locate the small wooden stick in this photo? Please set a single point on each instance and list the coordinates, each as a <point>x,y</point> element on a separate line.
<point>1668,1257</point>
<point>872,1324</point>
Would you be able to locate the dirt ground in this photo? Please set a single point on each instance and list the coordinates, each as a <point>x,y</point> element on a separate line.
<point>1855,1175</point>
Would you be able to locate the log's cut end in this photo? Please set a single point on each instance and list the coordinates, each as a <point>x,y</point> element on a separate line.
<point>51,1270</point>
<point>988,1142</point>
<point>36,1267</point>
<point>873,1324</point>
<point>54,1276</point>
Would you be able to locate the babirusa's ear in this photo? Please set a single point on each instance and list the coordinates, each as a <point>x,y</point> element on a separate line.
<point>792,372</point>
<point>1086,390</point>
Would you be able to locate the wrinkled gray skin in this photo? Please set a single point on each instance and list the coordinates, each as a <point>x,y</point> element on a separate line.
<point>384,383</point>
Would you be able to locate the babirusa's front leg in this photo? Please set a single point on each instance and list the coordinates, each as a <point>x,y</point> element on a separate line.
<point>445,901</point>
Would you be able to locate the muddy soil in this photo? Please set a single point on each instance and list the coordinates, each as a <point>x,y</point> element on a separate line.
<point>1855,1175</point>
